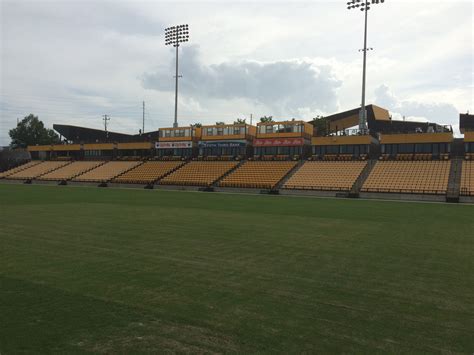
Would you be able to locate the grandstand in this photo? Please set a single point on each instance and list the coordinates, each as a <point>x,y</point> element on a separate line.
<point>420,177</point>
<point>107,171</point>
<point>322,155</point>
<point>148,172</point>
<point>199,173</point>
<point>7,173</point>
<point>226,141</point>
<point>37,170</point>
<point>467,178</point>
<point>70,171</point>
<point>326,175</point>
<point>258,174</point>
<point>178,142</point>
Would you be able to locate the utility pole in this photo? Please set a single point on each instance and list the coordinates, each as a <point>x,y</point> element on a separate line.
<point>251,117</point>
<point>364,6</point>
<point>174,36</point>
<point>143,125</point>
<point>106,118</point>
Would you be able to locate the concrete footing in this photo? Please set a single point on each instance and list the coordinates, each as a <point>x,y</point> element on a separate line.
<point>285,192</point>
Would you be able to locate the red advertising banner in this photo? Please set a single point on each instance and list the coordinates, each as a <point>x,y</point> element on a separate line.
<point>278,142</point>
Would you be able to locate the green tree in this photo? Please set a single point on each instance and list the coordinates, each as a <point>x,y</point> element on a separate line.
<point>31,131</point>
<point>197,125</point>
<point>220,123</point>
<point>239,121</point>
<point>266,119</point>
<point>321,124</point>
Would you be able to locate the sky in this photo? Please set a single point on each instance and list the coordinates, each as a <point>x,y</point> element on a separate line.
<point>70,62</point>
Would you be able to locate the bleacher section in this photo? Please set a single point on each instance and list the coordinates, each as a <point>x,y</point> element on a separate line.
<point>326,175</point>
<point>37,170</point>
<point>258,174</point>
<point>199,173</point>
<point>387,176</point>
<point>422,177</point>
<point>106,172</point>
<point>71,170</point>
<point>467,178</point>
<point>148,172</point>
<point>19,168</point>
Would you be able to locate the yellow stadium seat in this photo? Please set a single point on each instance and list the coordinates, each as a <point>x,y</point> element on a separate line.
<point>148,172</point>
<point>38,170</point>
<point>71,170</point>
<point>326,175</point>
<point>467,178</point>
<point>7,173</point>
<point>258,174</point>
<point>199,173</point>
<point>421,177</point>
<point>107,171</point>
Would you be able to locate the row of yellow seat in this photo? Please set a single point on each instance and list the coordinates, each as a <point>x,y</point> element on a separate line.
<point>19,168</point>
<point>326,175</point>
<point>429,177</point>
<point>199,173</point>
<point>386,176</point>
<point>37,170</point>
<point>467,178</point>
<point>258,174</point>
<point>148,172</point>
<point>70,171</point>
<point>106,172</point>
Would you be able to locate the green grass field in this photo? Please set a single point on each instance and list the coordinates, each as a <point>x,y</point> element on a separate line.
<point>120,270</point>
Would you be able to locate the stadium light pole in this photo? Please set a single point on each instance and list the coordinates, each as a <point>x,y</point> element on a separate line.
<point>174,36</point>
<point>106,118</point>
<point>364,6</point>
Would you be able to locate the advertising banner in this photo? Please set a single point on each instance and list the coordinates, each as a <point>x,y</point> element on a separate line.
<point>278,142</point>
<point>228,144</point>
<point>172,145</point>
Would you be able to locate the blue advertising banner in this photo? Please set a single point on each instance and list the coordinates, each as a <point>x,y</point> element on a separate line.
<point>233,144</point>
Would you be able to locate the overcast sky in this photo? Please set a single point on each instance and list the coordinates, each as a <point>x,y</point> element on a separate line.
<point>72,61</point>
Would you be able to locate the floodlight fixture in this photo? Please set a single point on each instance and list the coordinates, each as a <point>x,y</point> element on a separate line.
<point>175,35</point>
<point>363,5</point>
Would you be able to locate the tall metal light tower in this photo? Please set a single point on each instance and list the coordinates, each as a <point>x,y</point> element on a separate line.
<point>174,36</point>
<point>364,5</point>
<point>106,118</point>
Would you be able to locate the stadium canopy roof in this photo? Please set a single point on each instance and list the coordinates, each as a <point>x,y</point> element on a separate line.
<point>466,122</point>
<point>394,126</point>
<point>78,134</point>
<point>379,121</point>
<point>350,118</point>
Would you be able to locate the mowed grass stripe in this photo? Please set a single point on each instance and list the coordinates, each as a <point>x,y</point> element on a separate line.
<point>251,273</point>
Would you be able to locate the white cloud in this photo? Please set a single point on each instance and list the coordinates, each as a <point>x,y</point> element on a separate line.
<point>438,112</point>
<point>70,61</point>
<point>285,86</point>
